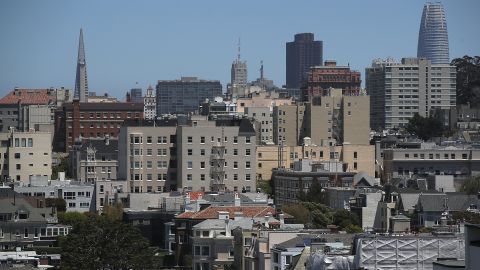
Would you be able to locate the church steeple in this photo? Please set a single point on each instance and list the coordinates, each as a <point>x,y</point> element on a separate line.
<point>81,82</point>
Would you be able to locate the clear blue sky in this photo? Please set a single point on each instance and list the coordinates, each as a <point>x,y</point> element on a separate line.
<point>146,41</point>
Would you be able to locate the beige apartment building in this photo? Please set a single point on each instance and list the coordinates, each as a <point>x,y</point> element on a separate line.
<point>358,158</point>
<point>195,154</point>
<point>344,119</point>
<point>24,154</point>
<point>147,155</point>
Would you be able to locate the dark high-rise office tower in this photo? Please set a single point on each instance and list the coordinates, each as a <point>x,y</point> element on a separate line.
<point>136,95</point>
<point>303,53</point>
<point>81,83</point>
<point>433,35</point>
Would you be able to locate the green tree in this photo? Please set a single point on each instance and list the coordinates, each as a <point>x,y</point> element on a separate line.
<point>113,212</point>
<point>353,229</point>
<point>472,186</point>
<point>58,203</point>
<point>62,167</point>
<point>314,193</point>
<point>265,186</point>
<point>468,80</point>
<point>468,217</point>
<point>424,127</point>
<point>71,218</point>
<point>344,218</point>
<point>299,212</point>
<point>103,243</point>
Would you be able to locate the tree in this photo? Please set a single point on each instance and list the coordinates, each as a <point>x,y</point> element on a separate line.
<point>466,216</point>
<point>265,186</point>
<point>472,186</point>
<point>58,203</point>
<point>353,229</point>
<point>468,80</point>
<point>103,243</point>
<point>114,212</point>
<point>314,193</point>
<point>61,167</point>
<point>299,212</point>
<point>344,218</point>
<point>71,218</point>
<point>424,127</point>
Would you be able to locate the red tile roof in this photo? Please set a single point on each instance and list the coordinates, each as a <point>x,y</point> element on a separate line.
<point>211,212</point>
<point>195,195</point>
<point>29,96</point>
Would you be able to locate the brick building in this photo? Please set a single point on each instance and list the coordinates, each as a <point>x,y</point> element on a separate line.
<point>321,78</point>
<point>91,120</point>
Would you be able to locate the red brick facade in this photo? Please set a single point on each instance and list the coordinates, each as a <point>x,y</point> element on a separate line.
<point>320,78</point>
<point>93,120</point>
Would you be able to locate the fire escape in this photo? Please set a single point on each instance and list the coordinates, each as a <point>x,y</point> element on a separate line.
<point>217,163</point>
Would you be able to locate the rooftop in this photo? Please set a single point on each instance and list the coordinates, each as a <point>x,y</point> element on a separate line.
<point>29,96</point>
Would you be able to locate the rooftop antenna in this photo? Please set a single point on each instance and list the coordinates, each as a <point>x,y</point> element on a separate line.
<point>261,70</point>
<point>238,55</point>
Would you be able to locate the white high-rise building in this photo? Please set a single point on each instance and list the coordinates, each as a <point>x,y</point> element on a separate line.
<point>149,104</point>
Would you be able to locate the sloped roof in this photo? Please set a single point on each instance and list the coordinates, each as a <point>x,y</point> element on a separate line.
<point>432,202</point>
<point>29,97</point>
<point>363,177</point>
<point>461,202</point>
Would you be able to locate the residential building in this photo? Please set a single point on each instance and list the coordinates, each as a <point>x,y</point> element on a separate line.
<point>78,121</point>
<point>25,154</point>
<point>81,83</point>
<point>185,95</point>
<point>399,90</point>
<point>150,104</point>
<point>332,117</point>
<point>321,78</point>
<point>27,222</point>
<point>94,159</point>
<point>261,99</point>
<point>216,155</point>
<point>109,192</point>
<point>461,161</point>
<point>185,222</point>
<point>79,197</point>
<point>147,155</point>
<point>433,34</point>
<point>301,54</point>
<point>264,117</point>
<point>358,158</point>
<point>136,95</point>
<point>26,109</point>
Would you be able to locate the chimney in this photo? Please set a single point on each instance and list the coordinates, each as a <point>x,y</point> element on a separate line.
<point>281,217</point>
<point>187,198</point>
<point>237,199</point>
<point>227,228</point>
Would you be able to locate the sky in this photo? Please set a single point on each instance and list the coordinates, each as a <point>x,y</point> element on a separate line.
<point>130,42</point>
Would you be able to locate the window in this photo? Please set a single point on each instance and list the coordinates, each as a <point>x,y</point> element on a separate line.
<point>202,152</point>
<point>247,177</point>
<point>235,177</point>
<point>18,166</point>
<point>30,142</point>
<point>190,139</point>
<point>149,177</point>
<point>25,233</point>
<point>235,139</point>
<point>189,177</point>
<point>259,165</point>
<point>162,140</point>
<point>202,140</point>
<point>189,165</point>
<point>149,164</point>
<point>161,152</point>
<point>355,155</point>
<point>17,155</point>
<point>149,139</point>
<point>202,177</point>
<point>247,165</point>
<point>202,164</point>
<point>149,151</point>
<point>235,152</point>
<point>190,152</point>
<point>355,166</point>
<point>247,152</point>
<point>247,139</point>
<point>235,164</point>
<point>72,204</point>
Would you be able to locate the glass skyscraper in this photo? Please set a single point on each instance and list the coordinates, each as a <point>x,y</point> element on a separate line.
<point>433,35</point>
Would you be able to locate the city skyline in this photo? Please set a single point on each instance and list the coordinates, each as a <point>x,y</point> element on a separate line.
<point>140,43</point>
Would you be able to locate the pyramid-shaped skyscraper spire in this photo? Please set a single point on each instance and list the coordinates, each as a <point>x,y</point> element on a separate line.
<point>81,82</point>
